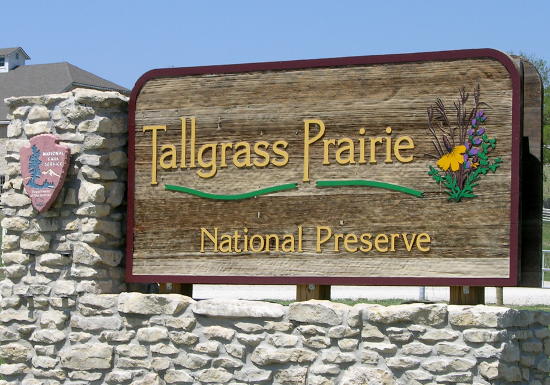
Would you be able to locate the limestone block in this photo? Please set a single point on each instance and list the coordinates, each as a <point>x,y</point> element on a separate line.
<point>79,337</point>
<point>15,224</point>
<point>91,192</point>
<point>324,369</point>
<point>119,376</point>
<point>22,315</point>
<point>444,364</point>
<point>316,342</point>
<point>248,327</point>
<point>160,363</point>
<point>87,356</point>
<point>289,376</point>
<point>15,128</point>
<point>183,338</point>
<point>308,330</point>
<point>15,271</point>
<point>94,210</point>
<point>37,128</point>
<point>336,357</point>
<point>44,362</point>
<point>252,375</point>
<point>227,363</point>
<point>532,346</point>
<point>266,356</point>
<point>102,99</point>
<point>38,113</point>
<point>95,323</point>
<point>317,312</point>
<point>48,336</point>
<point>16,352</point>
<point>361,375</point>
<point>214,375</point>
<point>137,303</point>
<point>436,335</point>
<point>52,319</point>
<point>177,377</point>
<point>402,363</point>
<point>212,348</point>
<point>13,199</point>
<point>64,288</point>
<point>380,347</point>
<point>7,334</point>
<point>97,173</point>
<point>487,316</point>
<point>238,309</point>
<point>152,334</point>
<point>283,340</point>
<point>250,340</point>
<point>117,336</point>
<point>191,361</point>
<point>85,376</point>
<point>35,241</point>
<point>433,315</point>
<point>348,344</point>
<point>399,335</point>
<point>164,349</point>
<point>15,258</point>
<point>483,335</point>
<point>218,332</point>
<point>450,349</point>
<point>20,112</point>
<point>53,260</point>
<point>235,350</point>
<point>12,369</point>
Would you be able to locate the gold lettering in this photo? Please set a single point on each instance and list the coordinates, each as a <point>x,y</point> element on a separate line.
<point>279,149</point>
<point>379,241</point>
<point>320,241</point>
<point>213,238</point>
<point>262,153</point>
<point>350,238</point>
<point>168,151</point>
<point>423,238</point>
<point>244,151</point>
<point>154,130</point>
<point>211,165</point>
<point>349,148</point>
<point>309,141</point>
<point>398,147</point>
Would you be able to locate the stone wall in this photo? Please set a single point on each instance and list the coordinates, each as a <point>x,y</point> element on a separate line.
<point>65,319</point>
<point>77,245</point>
<point>170,339</point>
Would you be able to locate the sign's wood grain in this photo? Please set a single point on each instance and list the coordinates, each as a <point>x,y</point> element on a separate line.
<point>378,109</point>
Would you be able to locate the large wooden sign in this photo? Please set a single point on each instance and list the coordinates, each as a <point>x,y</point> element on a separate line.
<point>400,169</point>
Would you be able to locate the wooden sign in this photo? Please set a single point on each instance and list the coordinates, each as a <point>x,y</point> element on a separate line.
<point>44,165</point>
<point>399,169</point>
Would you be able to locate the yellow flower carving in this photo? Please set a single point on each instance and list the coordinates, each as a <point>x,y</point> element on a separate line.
<point>453,159</point>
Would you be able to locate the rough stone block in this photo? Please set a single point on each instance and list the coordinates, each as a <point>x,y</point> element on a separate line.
<point>137,303</point>
<point>317,312</point>
<point>238,309</point>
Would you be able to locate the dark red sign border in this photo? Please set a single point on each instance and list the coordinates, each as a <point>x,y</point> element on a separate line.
<point>501,57</point>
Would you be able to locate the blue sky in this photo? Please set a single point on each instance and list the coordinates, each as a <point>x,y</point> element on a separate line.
<point>120,40</point>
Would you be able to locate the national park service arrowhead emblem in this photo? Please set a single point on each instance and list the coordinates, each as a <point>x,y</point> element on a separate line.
<point>44,165</point>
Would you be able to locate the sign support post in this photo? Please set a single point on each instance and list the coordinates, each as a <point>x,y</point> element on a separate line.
<point>467,295</point>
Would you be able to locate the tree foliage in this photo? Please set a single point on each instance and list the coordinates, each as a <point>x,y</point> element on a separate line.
<point>543,68</point>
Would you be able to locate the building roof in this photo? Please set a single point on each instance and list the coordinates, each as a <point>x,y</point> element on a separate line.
<point>7,51</point>
<point>42,79</point>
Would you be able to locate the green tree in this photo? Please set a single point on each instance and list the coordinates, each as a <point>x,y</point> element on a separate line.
<point>544,70</point>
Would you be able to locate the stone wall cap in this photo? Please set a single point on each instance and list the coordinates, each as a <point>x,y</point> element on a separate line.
<point>235,308</point>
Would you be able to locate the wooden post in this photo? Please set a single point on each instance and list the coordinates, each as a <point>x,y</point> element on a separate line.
<point>467,295</point>
<point>176,288</point>
<point>500,295</point>
<point>307,292</point>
